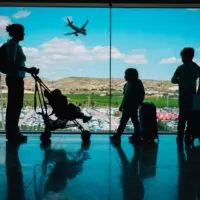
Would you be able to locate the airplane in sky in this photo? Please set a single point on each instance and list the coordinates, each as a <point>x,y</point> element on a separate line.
<point>76,29</point>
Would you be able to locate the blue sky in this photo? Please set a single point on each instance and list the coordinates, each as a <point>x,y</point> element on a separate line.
<point>148,39</point>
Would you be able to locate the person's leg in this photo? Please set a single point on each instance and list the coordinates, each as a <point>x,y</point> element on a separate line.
<point>122,124</point>
<point>189,116</point>
<point>74,112</point>
<point>14,105</point>
<point>19,101</point>
<point>185,103</point>
<point>80,115</point>
<point>181,124</point>
<point>11,107</point>
<point>136,123</point>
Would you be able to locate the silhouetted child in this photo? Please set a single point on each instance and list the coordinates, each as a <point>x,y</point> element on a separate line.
<point>133,97</point>
<point>62,109</point>
<point>186,77</point>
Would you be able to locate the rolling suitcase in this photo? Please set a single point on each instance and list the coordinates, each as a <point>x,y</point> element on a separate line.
<point>148,121</point>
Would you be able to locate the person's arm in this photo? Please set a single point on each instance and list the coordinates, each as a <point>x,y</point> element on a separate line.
<point>31,70</point>
<point>122,103</point>
<point>176,76</point>
<point>141,93</point>
<point>127,93</point>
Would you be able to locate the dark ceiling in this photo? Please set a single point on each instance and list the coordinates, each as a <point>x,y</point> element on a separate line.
<point>104,2</point>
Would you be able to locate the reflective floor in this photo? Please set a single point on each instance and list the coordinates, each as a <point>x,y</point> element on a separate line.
<point>69,170</point>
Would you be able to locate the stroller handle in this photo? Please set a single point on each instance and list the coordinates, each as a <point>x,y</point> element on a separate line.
<point>37,79</point>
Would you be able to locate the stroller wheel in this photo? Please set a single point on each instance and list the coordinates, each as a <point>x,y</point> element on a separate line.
<point>45,137</point>
<point>85,136</point>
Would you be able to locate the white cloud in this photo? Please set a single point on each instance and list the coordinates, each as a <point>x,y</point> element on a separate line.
<point>174,60</point>
<point>62,54</point>
<point>135,59</point>
<point>21,14</point>
<point>67,51</point>
<point>4,21</point>
<point>170,60</point>
<point>193,9</point>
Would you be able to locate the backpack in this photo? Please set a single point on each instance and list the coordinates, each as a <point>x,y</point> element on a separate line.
<point>4,61</point>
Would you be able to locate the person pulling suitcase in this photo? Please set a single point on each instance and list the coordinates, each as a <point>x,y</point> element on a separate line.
<point>134,94</point>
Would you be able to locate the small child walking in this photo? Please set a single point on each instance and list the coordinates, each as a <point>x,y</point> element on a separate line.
<point>133,96</point>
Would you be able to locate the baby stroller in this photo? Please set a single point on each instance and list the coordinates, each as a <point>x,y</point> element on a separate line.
<point>41,90</point>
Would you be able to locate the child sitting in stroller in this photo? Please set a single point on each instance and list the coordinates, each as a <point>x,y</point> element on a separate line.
<point>62,109</point>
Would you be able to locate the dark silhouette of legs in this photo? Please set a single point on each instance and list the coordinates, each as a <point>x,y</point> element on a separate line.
<point>14,106</point>
<point>185,105</point>
<point>74,112</point>
<point>123,121</point>
<point>122,124</point>
<point>136,135</point>
<point>181,124</point>
<point>15,103</point>
<point>135,121</point>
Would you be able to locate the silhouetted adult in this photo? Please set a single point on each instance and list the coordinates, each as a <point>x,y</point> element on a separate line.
<point>133,96</point>
<point>15,82</point>
<point>15,185</point>
<point>132,185</point>
<point>186,76</point>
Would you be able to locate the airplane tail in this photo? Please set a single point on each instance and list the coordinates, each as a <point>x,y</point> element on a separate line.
<point>69,22</point>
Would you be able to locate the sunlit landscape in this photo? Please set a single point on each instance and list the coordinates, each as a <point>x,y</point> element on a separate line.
<point>147,39</point>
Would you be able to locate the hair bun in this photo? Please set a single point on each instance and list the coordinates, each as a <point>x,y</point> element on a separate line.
<point>8,28</point>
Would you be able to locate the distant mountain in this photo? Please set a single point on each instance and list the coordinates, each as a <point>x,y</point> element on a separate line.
<point>96,85</point>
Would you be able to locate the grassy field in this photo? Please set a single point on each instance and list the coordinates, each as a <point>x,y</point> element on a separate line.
<point>96,100</point>
<point>116,98</point>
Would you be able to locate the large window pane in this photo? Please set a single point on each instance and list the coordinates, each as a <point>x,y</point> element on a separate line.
<point>78,65</point>
<point>151,40</point>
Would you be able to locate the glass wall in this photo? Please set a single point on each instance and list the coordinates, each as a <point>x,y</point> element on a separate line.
<point>71,59</point>
<point>79,64</point>
<point>151,40</point>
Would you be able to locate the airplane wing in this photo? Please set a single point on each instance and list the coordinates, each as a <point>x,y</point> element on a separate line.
<point>71,33</point>
<point>84,25</point>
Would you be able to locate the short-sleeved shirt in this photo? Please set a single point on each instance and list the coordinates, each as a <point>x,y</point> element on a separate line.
<point>17,57</point>
<point>188,76</point>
